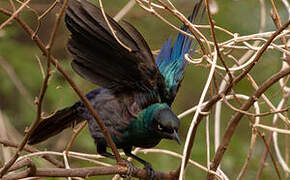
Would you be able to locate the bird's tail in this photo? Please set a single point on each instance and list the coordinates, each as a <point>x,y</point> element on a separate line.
<point>53,125</point>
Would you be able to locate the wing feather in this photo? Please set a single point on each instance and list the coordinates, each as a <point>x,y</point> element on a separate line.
<point>99,58</point>
<point>171,61</point>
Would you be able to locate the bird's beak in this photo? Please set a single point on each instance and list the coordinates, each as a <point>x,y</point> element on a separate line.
<point>176,137</point>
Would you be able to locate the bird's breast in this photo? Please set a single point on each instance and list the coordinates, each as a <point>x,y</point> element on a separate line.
<point>140,137</point>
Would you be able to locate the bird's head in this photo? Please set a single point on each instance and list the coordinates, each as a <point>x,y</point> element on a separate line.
<point>164,122</point>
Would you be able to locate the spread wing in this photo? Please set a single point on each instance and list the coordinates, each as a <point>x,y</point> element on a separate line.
<point>101,59</point>
<point>171,61</point>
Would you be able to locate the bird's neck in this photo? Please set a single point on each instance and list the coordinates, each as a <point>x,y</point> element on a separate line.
<point>141,124</point>
<point>140,129</point>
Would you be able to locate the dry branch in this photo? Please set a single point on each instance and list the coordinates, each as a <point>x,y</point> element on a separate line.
<point>87,172</point>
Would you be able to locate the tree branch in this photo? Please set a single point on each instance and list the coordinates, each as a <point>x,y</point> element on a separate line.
<point>237,117</point>
<point>88,172</point>
<point>228,88</point>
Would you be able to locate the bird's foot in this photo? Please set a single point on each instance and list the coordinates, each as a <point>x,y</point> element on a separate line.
<point>150,171</point>
<point>130,171</point>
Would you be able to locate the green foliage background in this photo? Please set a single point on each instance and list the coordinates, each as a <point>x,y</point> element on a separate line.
<point>20,52</point>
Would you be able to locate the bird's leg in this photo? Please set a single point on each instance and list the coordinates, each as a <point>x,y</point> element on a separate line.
<point>102,150</point>
<point>130,171</point>
<point>150,171</point>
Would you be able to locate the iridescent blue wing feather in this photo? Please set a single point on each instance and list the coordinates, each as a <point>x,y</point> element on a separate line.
<point>171,62</point>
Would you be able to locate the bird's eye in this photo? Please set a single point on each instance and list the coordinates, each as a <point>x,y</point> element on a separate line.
<point>160,128</point>
<point>164,129</point>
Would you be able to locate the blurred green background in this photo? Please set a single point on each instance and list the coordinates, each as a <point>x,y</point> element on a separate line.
<point>238,16</point>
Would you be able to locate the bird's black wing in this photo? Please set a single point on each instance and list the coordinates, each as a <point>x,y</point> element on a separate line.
<point>101,59</point>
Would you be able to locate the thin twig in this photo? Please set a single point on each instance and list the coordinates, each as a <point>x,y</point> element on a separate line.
<point>48,10</point>
<point>76,132</point>
<point>212,29</point>
<point>111,28</point>
<point>15,14</point>
<point>255,115</point>
<point>277,20</point>
<point>273,129</point>
<point>188,24</point>
<point>199,112</point>
<point>13,5</point>
<point>124,10</point>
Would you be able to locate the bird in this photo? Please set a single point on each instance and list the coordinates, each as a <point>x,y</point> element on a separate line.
<point>136,92</point>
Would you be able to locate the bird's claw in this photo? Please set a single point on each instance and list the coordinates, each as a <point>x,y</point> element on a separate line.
<point>130,171</point>
<point>150,171</point>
